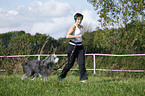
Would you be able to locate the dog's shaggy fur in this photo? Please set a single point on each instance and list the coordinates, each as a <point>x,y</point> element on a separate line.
<point>39,68</point>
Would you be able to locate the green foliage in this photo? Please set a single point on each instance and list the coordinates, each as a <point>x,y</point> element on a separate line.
<point>123,40</point>
<point>120,63</point>
<point>88,44</point>
<point>13,65</point>
<point>62,48</point>
<point>19,42</point>
<point>112,11</point>
<point>6,37</point>
<point>95,86</point>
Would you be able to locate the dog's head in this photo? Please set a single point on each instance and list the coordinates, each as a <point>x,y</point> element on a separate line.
<point>50,59</point>
<point>54,58</point>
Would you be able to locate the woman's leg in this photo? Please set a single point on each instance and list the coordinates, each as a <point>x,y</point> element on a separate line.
<point>81,62</point>
<point>71,60</point>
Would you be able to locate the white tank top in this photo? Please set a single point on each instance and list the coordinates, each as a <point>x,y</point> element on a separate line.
<point>77,32</point>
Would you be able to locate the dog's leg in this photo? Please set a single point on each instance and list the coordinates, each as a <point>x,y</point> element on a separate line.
<point>45,78</point>
<point>24,76</point>
<point>39,75</point>
<point>34,78</point>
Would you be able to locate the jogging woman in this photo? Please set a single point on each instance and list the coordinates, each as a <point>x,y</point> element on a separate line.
<point>75,49</point>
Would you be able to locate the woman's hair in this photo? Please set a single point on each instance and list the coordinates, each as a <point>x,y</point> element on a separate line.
<point>78,15</point>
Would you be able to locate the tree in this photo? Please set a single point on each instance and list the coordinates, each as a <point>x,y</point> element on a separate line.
<point>120,40</point>
<point>19,42</point>
<point>115,11</point>
<point>87,27</point>
<point>6,37</point>
<point>88,44</point>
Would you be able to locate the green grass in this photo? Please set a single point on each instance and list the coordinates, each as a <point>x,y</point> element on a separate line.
<point>95,86</point>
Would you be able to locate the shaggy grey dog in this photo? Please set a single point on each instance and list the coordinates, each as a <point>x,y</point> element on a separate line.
<point>39,68</point>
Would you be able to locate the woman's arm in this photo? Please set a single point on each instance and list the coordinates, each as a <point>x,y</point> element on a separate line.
<point>70,31</point>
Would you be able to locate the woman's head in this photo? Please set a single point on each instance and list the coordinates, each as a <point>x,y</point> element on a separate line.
<point>78,17</point>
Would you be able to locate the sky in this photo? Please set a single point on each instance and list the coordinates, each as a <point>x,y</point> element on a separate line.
<point>50,17</point>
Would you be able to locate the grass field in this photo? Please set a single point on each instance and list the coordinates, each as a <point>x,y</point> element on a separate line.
<point>95,86</point>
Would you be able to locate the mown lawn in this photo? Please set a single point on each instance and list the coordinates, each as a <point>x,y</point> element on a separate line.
<point>95,86</point>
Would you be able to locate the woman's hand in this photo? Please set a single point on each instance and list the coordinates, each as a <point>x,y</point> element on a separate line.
<point>81,36</point>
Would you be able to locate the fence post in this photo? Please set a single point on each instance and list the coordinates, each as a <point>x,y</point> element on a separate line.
<point>94,64</point>
<point>38,57</point>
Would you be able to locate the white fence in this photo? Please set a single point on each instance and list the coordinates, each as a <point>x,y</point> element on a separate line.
<point>94,59</point>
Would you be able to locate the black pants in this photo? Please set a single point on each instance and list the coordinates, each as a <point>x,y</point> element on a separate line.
<point>72,55</point>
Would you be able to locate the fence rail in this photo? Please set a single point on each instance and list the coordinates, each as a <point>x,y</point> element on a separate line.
<point>94,59</point>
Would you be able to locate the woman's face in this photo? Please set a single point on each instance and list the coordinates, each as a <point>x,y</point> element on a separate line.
<point>78,20</point>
